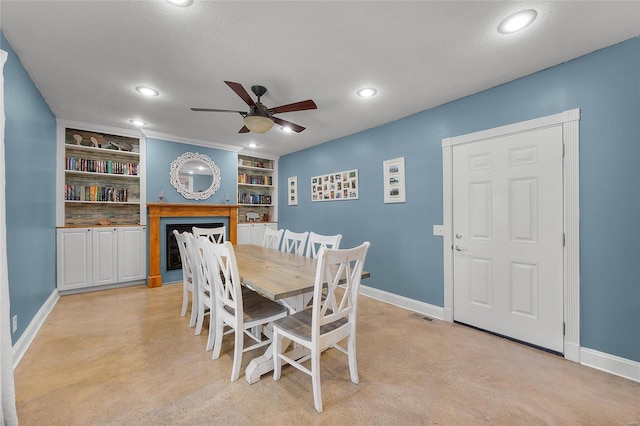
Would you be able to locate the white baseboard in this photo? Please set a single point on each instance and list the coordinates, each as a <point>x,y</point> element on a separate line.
<point>610,364</point>
<point>403,302</point>
<point>23,343</point>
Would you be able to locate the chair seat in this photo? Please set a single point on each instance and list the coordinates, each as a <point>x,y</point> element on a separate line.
<point>299,324</point>
<point>257,306</point>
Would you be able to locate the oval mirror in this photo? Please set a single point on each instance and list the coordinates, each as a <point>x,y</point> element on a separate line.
<point>195,176</point>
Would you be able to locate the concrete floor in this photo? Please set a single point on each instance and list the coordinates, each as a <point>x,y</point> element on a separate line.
<point>126,357</point>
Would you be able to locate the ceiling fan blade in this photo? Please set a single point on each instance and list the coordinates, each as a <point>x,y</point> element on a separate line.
<point>284,123</point>
<point>217,110</point>
<point>237,87</point>
<point>244,129</point>
<point>296,106</point>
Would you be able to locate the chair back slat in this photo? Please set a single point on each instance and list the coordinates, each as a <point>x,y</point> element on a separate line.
<point>216,235</point>
<point>317,241</point>
<point>223,270</point>
<point>272,238</point>
<point>338,270</point>
<point>294,242</point>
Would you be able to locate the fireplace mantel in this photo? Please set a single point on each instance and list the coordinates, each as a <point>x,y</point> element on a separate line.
<point>159,210</point>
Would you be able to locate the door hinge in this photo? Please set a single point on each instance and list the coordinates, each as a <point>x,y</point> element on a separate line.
<point>564,239</point>
<point>564,328</point>
<point>563,150</point>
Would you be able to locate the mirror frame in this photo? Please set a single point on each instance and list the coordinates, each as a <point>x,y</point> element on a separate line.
<point>175,176</point>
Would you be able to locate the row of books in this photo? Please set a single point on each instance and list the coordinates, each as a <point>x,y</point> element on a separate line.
<point>101,166</point>
<point>95,193</point>
<point>255,179</point>
<point>244,198</point>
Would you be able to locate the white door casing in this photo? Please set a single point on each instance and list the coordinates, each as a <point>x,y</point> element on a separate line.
<point>507,224</point>
<point>568,122</point>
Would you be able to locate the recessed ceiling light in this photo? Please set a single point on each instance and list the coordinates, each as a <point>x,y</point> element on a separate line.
<point>367,92</point>
<point>181,3</point>
<point>147,91</point>
<point>287,129</point>
<point>252,145</point>
<point>517,21</point>
<point>137,122</point>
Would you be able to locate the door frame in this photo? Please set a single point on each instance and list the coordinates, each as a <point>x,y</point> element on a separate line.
<point>569,120</point>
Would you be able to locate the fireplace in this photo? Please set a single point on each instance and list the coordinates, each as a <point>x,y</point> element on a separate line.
<point>172,251</point>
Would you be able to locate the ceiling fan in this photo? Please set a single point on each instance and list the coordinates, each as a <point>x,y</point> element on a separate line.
<point>260,119</point>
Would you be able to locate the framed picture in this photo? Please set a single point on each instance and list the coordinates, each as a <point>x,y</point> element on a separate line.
<point>338,186</point>
<point>393,174</point>
<point>292,190</point>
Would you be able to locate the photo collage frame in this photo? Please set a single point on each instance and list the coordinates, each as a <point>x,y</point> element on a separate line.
<point>338,186</point>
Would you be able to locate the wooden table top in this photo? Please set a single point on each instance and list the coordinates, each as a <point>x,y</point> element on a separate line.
<point>274,273</point>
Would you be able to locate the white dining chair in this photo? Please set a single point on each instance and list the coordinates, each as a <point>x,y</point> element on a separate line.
<point>272,238</point>
<point>216,235</point>
<point>245,312</point>
<point>317,241</point>
<point>187,279</point>
<point>200,285</point>
<point>294,242</point>
<point>330,319</point>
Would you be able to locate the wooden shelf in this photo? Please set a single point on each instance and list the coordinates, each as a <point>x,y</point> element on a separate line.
<point>255,185</point>
<point>102,202</point>
<point>262,169</point>
<point>92,149</point>
<point>78,172</point>
<point>256,205</point>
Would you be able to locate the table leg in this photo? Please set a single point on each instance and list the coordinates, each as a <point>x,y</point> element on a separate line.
<point>264,363</point>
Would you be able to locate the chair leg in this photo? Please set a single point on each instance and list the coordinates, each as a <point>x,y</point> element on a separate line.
<point>194,315</point>
<point>185,300</point>
<point>315,379</point>
<point>351,354</point>
<point>237,354</point>
<point>277,361</point>
<point>212,326</point>
<point>217,342</point>
<point>200,318</point>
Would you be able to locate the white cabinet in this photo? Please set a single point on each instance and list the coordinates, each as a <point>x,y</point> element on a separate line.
<point>75,260</point>
<point>132,249</point>
<point>100,256</point>
<point>105,252</point>
<point>253,233</point>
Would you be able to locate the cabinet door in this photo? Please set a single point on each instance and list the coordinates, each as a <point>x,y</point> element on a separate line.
<point>105,256</point>
<point>74,258</point>
<point>244,234</point>
<point>132,259</point>
<point>257,234</point>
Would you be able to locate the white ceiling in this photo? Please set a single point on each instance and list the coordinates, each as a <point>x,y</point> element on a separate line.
<point>86,57</point>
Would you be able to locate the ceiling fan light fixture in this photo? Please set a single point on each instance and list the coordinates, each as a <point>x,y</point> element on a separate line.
<point>517,21</point>
<point>258,123</point>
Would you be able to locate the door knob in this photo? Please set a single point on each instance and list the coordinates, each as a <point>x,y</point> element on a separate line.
<point>458,235</point>
<point>458,248</point>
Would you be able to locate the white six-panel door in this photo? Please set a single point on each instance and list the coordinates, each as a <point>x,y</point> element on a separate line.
<point>508,236</point>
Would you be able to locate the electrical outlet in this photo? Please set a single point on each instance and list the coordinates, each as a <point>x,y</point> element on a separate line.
<point>15,323</point>
<point>438,230</point>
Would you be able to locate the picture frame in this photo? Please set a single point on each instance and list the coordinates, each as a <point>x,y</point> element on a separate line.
<point>337,186</point>
<point>394,181</point>
<point>292,190</point>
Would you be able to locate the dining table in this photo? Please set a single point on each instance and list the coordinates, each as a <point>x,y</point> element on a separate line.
<point>284,277</point>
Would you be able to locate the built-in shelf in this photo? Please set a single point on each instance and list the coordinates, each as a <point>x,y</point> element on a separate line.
<point>101,176</point>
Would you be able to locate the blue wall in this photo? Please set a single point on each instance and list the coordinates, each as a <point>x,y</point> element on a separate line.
<point>406,259</point>
<point>30,170</point>
<point>160,155</point>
